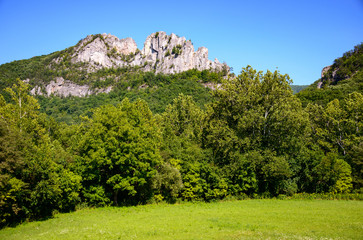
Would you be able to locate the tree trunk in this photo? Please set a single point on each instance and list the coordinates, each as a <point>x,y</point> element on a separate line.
<point>115,197</point>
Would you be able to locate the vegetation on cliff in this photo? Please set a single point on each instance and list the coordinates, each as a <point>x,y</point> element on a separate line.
<point>342,78</point>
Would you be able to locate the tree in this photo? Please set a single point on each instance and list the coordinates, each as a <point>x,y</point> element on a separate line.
<point>119,153</point>
<point>333,175</point>
<point>261,110</point>
<point>258,112</point>
<point>12,186</point>
<point>183,118</point>
<point>337,130</point>
<point>182,127</point>
<point>167,182</point>
<point>23,110</point>
<point>33,178</point>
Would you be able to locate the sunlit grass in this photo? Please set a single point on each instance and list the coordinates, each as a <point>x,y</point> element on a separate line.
<point>248,219</point>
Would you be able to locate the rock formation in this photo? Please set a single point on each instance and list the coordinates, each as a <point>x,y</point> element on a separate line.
<point>162,53</point>
<point>323,72</point>
<point>65,88</point>
<point>333,76</point>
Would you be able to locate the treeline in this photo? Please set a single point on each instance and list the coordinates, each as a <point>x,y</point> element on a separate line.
<point>253,139</point>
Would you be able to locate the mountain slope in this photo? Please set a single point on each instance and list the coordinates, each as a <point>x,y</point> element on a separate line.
<point>157,90</point>
<point>344,76</point>
<point>99,62</point>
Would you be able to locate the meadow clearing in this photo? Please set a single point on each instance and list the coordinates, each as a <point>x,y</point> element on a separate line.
<point>245,219</point>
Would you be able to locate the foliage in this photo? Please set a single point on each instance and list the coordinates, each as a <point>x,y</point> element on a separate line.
<point>159,91</point>
<point>118,152</point>
<point>345,76</point>
<point>345,66</point>
<point>167,183</point>
<point>34,179</point>
<point>255,116</point>
<point>159,137</point>
<point>337,128</point>
<point>177,50</point>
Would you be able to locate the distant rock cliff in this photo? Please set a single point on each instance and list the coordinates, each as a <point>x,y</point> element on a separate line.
<point>65,88</point>
<point>349,66</point>
<point>173,54</point>
<point>162,53</point>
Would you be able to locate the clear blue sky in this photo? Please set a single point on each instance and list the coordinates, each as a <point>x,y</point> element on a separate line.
<point>297,37</point>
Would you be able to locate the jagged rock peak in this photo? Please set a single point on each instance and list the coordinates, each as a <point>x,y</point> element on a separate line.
<point>173,54</point>
<point>162,53</point>
<point>104,49</point>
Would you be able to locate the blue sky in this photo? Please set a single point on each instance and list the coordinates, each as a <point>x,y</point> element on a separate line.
<point>297,37</point>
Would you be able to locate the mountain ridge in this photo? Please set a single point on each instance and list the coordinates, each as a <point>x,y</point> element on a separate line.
<point>343,77</point>
<point>161,53</point>
<point>95,63</point>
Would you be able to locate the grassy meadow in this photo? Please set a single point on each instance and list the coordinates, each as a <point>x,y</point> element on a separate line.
<point>246,219</point>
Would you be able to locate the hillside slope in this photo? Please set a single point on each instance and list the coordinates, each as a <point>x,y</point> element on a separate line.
<point>344,76</point>
<point>99,62</point>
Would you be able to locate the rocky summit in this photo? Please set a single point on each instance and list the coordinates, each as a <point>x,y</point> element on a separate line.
<point>162,53</point>
<point>81,70</point>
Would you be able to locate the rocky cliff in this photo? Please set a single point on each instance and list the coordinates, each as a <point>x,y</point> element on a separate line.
<point>162,53</point>
<point>66,88</point>
<point>349,66</point>
<point>173,54</point>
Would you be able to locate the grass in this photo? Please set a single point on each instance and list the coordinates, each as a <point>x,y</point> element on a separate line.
<point>247,219</point>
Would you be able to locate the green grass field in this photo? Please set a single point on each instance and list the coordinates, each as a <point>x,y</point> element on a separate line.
<point>247,219</point>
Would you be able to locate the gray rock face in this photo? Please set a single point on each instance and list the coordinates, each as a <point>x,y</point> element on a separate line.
<point>104,51</point>
<point>212,86</point>
<point>325,69</point>
<point>162,53</point>
<point>333,77</point>
<point>65,88</point>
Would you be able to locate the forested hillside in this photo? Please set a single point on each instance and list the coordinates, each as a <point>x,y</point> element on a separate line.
<point>343,77</point>
<point>158,90</point>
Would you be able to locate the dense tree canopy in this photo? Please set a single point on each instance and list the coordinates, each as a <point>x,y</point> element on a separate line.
<point>34,179</point>
<point>254,138</point>
<point>118,153</point>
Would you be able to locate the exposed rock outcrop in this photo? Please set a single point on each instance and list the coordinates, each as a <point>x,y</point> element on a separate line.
<point>104,50</point>
<point>325,70</point>
<point>212,86</point>
<point>65,88</point>
<point>173,54</point>
<point>333,76</point>
<point>162,53</point>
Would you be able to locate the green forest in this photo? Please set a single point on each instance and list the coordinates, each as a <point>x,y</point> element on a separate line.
<point>177,140</point>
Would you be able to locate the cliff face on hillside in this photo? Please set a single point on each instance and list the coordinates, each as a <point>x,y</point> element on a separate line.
<point>162,53</point>
<point>173,54</point>
<point>348,66</point>
<point>66,88</point>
